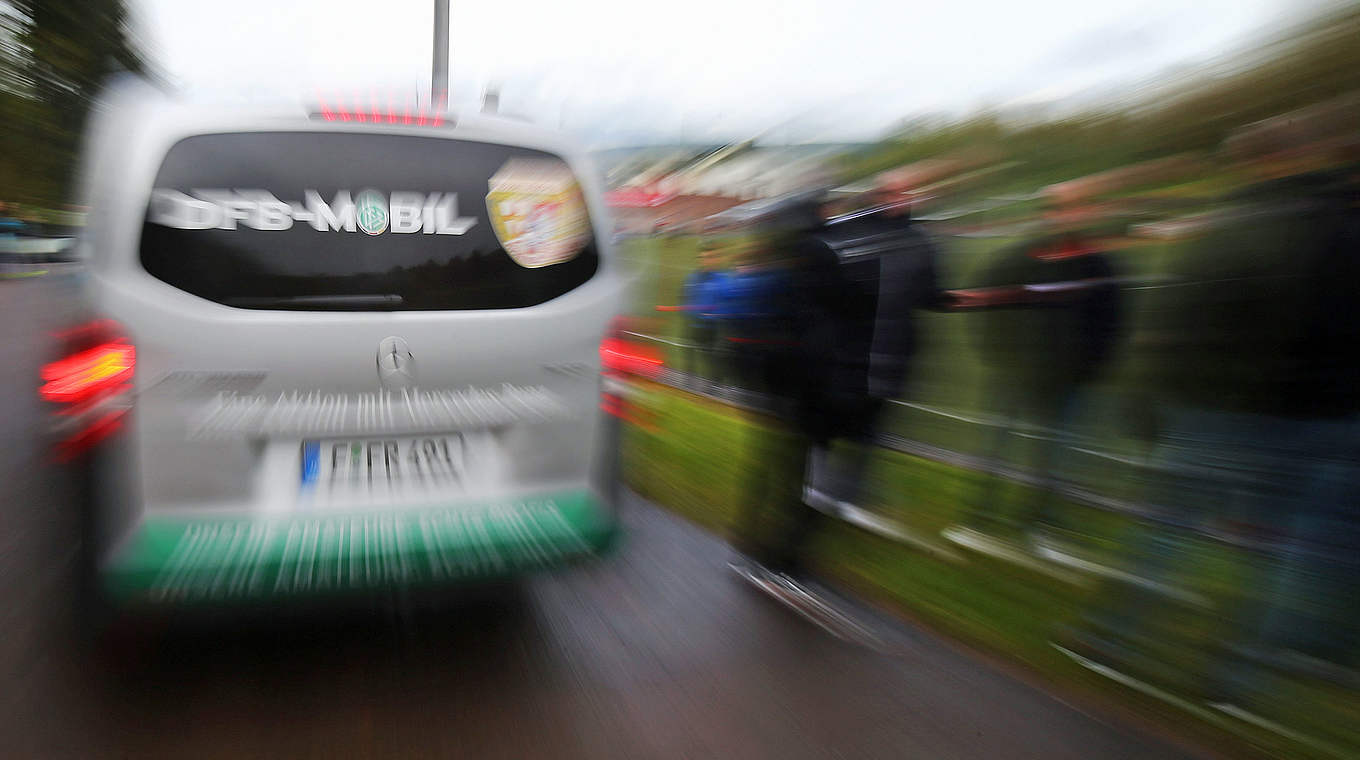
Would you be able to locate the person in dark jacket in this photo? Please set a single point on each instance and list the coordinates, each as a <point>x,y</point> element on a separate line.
<point>787,324</point>
<point>887,267</point>
<point>1055,322</point>
<point>1256,353</point>
<point>854,282</point>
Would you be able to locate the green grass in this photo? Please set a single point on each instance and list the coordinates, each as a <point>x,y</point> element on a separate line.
<point>22,275</point>
<point>694,455</point>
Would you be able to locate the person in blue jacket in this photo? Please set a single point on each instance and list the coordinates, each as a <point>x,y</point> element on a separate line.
<point>703,296</point>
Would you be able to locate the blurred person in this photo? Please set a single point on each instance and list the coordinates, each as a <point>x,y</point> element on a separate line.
<point>756,311</point>
<point>888,268</point>
<point>1059,324</point>
<point>704,296</point>
<point>858,276</point>
<point>788,299</point>
<point>855,280</point>
<point>1258,357</point>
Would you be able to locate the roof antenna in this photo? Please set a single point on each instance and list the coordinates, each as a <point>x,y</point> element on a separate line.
<point>439,70</point>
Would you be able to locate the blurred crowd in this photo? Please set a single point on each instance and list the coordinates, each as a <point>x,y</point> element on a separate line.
<point>1242,360</point>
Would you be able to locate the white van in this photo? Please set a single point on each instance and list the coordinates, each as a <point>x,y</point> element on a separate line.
<point>334,352</point>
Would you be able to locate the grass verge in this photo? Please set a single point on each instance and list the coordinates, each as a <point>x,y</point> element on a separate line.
<point>692,457</point>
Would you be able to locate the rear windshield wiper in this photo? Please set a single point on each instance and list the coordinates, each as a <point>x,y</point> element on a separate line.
<point>376,301</point>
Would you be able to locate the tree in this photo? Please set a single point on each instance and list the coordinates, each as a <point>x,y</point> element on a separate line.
<point>54,56</point>
<point>1310,63</point>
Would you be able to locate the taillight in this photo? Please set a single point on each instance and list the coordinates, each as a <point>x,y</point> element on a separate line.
<point>84,438</point>
<point>90,385</point>
<point>89,373</point>
<point>335,109</point>
<point>619,358</point>
<point>626,356</point>
<point>612,404</point>
<point>619,354</point>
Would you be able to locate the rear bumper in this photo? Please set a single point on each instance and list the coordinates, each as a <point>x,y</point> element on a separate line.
<point>177,560</point>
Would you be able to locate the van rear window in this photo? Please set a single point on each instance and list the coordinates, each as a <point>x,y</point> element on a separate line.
<point>326,221</point>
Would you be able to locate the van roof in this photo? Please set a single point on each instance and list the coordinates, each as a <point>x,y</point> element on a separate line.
<point>143,106</point>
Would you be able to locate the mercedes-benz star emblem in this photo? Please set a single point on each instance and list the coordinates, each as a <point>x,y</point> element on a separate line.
<point>396,365</point>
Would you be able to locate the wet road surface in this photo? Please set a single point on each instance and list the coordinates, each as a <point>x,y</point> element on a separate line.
<point>656,651</point>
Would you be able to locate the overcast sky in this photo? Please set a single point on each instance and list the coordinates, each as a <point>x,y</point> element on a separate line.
<point>624,72</point>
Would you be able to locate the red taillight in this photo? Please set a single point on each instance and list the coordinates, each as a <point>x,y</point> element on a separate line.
<point>89,373</point>
<point>625,356</point>
<point>85,438</point>
<point>90,385</point>
<point>612,404</point>
<point>619,358</point>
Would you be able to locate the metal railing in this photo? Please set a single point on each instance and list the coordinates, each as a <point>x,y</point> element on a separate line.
<point>755,401</point>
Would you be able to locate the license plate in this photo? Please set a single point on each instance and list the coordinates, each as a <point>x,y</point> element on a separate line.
<point>386,464</point>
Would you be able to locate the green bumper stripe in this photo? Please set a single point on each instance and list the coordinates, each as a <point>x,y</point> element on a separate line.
<point>179,559</point>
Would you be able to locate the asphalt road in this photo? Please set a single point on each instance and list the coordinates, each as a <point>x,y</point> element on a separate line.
<point>657,651</point>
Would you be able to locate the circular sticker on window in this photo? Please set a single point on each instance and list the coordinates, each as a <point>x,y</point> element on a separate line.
<point>537,211</point>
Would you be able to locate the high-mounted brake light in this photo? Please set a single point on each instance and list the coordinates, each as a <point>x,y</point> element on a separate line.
<point>89,373</point>
<point>420,119</point>
<point>374,113</point>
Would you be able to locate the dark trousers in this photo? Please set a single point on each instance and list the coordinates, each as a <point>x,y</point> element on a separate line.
<point>840,476</point>
<point>773,523</point>
<point>702,359</point>
<point>1056,414</point>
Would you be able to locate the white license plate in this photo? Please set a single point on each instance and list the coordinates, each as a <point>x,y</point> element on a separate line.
<point>386,464</point>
